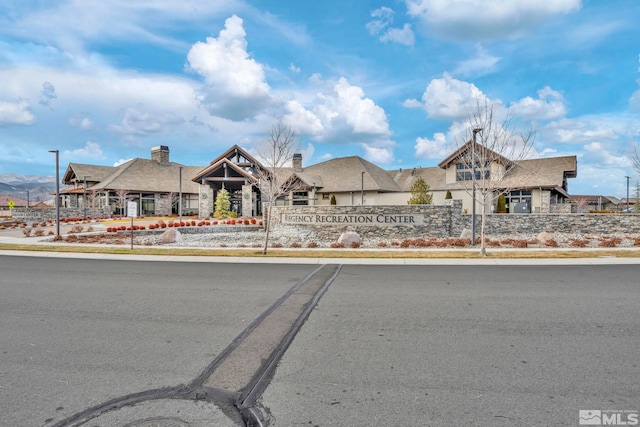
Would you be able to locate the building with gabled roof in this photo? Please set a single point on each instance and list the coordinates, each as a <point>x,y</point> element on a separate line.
<point>534,185</point>
<point>155,184</point>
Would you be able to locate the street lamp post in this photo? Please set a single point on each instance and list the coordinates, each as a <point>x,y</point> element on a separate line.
<point>57,192</point>
<point>628,177</point>
<point>84,195</point>
<point>180,197</point>
<point>473,190</point>
<point>362,188</point>
<point>27,191</point>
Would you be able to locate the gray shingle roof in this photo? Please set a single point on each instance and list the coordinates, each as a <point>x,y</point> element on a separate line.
<point>142,175</point>
<point>546,173</point>
<point>345,174</point>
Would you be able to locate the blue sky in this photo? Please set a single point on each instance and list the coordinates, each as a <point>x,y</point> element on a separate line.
<point>391,81</point>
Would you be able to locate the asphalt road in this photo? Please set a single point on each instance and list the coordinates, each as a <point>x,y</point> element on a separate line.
<point>75,332</point>
<point>386,345</point>
<point>464,346</point>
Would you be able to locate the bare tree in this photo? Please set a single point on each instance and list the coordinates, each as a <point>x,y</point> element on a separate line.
<point>276,153</point>
<point>581,203</point>
<point>487,156</point>
<point>121,200</point>
<point>174,199</point>
<point>635,158</point>
<point>91,198</point>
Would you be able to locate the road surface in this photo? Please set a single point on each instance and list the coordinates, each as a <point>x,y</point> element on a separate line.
<point>382,345</point>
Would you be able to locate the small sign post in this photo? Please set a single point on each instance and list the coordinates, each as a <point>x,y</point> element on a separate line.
<point>132,212</point>
<point>11,205</point>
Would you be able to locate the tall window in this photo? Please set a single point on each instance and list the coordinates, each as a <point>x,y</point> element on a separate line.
<point>190,201</point>
<point>464,171</point>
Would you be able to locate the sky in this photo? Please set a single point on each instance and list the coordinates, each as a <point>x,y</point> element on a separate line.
<point>392,81</point>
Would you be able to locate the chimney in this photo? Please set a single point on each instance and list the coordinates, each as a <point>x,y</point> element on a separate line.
<point>297,162</point>
<point>160,154</point>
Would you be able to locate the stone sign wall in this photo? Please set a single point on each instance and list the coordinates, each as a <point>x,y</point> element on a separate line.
<point>40,214</point>
<point>399,222</point>
<point>382,222</point>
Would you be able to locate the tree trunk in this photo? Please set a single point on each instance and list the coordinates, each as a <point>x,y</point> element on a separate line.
<point>267,225</point>
<point>483,246</point>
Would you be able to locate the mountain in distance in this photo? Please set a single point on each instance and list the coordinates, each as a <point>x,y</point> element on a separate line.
<point>39,187</point>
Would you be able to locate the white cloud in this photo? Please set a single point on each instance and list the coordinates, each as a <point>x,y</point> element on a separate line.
<point>548,152</point>
<point>91,150</point>
<point>121,162</point>
<point>597,153</point>
<point>15,113</point>
<point>113,20</point>
<point>48,94</point>
<point>235,83</point>
<point>436,149</point>
<point>301,120</point>
<point>379,155</point>
<point>84,123</point>
<point>481,64</point>
<point>580,131</point>
<point>595,179</point>
<point>401,36</point>
<point>473,19</point>
<point>338,113</point>
<point>383,18</point>
<point>381,26</point>
<point>294,68</point>
<point>136,121</point>
<point>80,91</point>
<point>449,98</point>
<point>360,112</point>
<point>412,103</point>
<point>634,101</point>
<point>549,105</point>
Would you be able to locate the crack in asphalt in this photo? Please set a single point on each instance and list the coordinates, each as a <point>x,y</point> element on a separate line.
<point>236,379</point>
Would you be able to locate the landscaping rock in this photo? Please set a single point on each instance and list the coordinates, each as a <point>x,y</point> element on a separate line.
<point>171,236</point>
<point>544,237</point>
<point>466,234</point>
<point>350,238</point>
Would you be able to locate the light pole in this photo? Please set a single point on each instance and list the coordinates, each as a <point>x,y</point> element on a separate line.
<point>57,192</point>
<point>84,195</point>
<point>628,177</point>
<point>362,188</point>
<point>473,191</point>
<point>180,196</point>
<point>27,191</point>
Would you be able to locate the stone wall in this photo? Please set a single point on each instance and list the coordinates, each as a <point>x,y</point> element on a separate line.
<point>42,214</point>
<point>328,222</point>
<point>563,223</point>
<point>380,222</point>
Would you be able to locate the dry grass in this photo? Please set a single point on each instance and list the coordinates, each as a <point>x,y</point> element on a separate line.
<point>332,253</point>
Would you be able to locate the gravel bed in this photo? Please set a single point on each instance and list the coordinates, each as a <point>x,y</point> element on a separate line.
<point>256,239</point>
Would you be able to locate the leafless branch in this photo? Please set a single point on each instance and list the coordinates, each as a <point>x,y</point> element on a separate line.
<point>489,153</point>
<point>275,153</point>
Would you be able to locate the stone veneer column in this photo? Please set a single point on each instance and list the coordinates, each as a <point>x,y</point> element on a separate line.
<point>247,201</point>
<point>162,204</point>
<point>545,201</point>
<point>205,198</point>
